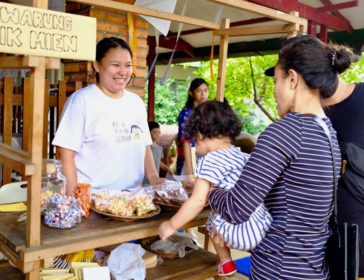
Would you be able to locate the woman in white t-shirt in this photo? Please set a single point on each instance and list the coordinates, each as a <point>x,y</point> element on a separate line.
<point>103,137</point>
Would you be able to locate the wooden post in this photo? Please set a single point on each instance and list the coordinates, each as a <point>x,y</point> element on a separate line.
<point>7,122</point>
<point>151,83</point>
<point>27,112</point>
<point>35,140</point>
<point>61,99</point>
<point>45,119</point>
<point>224,42</point>
<point>37,78</point>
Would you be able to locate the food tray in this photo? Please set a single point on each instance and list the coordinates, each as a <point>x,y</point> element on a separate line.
<point>147,243</point>
<point>128,218</point>
<point>167,205</point>
<point>170,205</point>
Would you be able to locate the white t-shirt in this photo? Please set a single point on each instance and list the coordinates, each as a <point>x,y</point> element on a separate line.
<point>108,135</point>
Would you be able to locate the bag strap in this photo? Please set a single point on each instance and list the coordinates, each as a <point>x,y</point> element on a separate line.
<point>326,129</point>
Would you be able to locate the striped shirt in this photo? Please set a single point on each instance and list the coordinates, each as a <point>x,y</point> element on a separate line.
<point>222,168</point>
<point>291,171</point>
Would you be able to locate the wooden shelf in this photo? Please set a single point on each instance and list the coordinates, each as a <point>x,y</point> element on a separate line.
<point>197,265</point>
<point>18,160</point>
<point>95,231</point>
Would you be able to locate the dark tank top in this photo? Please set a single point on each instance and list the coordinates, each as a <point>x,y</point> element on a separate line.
<point>347,117</point>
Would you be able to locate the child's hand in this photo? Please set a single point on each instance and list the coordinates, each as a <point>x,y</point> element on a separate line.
<point>217,238</point>
<point>165,230</point>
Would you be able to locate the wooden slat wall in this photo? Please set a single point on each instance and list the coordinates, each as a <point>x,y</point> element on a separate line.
<point>19,122</point>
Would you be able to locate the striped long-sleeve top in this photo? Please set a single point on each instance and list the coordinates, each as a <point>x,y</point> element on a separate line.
<point>290,170</point>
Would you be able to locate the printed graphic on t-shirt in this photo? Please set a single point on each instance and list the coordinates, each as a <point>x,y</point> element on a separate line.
<point>123,134</point>
<point>136,132</point>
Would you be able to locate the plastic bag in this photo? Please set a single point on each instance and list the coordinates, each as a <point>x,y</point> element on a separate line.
<point>176,243</point>
<point>126,262</point>
<point>171,191</point>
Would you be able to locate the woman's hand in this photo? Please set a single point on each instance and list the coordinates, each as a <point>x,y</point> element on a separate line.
<point>165,230</point>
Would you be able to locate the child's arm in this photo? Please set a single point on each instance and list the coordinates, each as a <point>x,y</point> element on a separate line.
<point>189,210</point>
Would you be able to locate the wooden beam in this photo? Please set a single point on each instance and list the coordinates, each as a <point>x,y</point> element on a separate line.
<point>308,12</point>
<point>26,62</point>
<point>150,12</point>
<point>233,24</point>
<point>224,43</point>
<point>16,159</point>
<point>257,30</point>
<point>261,10</point>
<point>335,7</point>
<point>18,62</point>
<point>53,63</point>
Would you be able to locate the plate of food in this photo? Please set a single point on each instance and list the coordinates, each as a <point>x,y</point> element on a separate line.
<point>125,205</point>
<point>128,218</point>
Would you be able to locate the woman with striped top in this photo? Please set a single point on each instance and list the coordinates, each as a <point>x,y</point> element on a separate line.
<point>291,168</point>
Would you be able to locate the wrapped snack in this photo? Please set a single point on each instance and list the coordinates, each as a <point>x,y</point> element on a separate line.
<point>62,211</point>
<point>83,194</point>
<point>126,203</point>
<point>171,192</point>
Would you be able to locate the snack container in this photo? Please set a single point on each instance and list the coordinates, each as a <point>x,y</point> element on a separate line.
<point>53,183</point>
<point>62,211</point>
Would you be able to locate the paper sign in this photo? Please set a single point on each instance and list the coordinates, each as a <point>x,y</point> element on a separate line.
<point>40,32</point>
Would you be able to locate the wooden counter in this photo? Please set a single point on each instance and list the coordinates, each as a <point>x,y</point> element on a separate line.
<point>95,231</point>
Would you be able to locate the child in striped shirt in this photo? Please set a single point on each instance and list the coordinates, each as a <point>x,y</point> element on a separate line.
<point>214,127</point>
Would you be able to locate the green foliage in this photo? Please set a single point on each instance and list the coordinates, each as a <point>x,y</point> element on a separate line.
<point>169,100</point>
<point>355,73</point>
<point>239,90</point>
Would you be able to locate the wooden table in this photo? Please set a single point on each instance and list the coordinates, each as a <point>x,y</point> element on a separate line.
<point>95,231</point>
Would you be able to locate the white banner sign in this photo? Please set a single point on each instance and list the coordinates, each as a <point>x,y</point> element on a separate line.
<point>41,32</point>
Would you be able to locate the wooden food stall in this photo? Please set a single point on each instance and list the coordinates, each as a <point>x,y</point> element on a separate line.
<point>31,245</point>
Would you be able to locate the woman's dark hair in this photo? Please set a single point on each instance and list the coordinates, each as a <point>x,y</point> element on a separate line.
<point>213,119</point>
<point>194,84</point>
<point>105,44</point>
<point>318,63</point>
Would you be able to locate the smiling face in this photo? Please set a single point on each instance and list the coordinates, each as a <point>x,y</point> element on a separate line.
<point>282,94</point>
<point>115,70</point>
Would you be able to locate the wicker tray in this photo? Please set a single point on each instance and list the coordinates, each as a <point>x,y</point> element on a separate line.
<point>147,243</point>
<point>128,218</point>
<point>171,205</point>
<point>167,205</point>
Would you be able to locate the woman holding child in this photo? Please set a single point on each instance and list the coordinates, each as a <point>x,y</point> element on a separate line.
<point>291,168</point>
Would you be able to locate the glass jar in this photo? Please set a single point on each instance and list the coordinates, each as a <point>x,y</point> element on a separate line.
<point>54,182</point>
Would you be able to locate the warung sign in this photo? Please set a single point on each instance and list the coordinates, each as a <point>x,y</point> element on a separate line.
<point>40,32</point>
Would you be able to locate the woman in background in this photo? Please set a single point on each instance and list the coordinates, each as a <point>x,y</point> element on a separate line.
<point>197,93</point>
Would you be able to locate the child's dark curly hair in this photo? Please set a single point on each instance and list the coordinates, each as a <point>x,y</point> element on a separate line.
<point>213,119</point>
